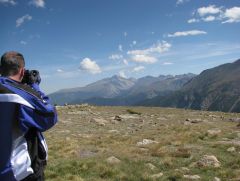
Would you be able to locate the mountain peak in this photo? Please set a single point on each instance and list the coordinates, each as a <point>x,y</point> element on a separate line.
<point>237,61</point>
<point>118,77</point>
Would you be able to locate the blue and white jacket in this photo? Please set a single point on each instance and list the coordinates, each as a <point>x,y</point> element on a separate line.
<point>22,108</point>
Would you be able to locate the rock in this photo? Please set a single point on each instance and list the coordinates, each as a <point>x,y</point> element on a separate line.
<point>194,120</point>
<point>230,142</point>
<point>99,121</point>
<point>151,166</point>
<point>208,161</point>
<point>216,179</point>
<point>117,118</point>
<point>213,116</point>
<point>156,176</point>
<point>192,177</point>
<point>113,131</point>
<point>113,160</point>
<point>162,118</point>
<point>78,112</point>
<point>146,142</point>
<point>143,150</point>
<point>187,123</point>
<point>238,135</point>
<point>236,120</point>
<point>231,149</point>
<point>67,138</point>
<point>87,153</point>
<point>127,116</point>
<point>185,169</point>
<point>214,132</point>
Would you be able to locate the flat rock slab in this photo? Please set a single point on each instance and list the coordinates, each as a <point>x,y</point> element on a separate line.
<point>113,160</point>
<point>146,142</point>
<point>128,116</point>
<point>208,161</point>
<point>99,121</point>
<point>192,177</point>
<point>87,153</point>
<point>156,176</point>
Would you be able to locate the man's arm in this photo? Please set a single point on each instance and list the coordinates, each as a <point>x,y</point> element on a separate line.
<point>43,117</point>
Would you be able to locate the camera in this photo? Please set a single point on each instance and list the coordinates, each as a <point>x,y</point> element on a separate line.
<point>31,77</point>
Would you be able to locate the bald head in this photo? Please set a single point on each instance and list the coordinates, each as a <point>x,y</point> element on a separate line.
<point>11,63</point>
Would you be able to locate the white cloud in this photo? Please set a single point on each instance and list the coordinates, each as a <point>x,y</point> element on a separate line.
<point>143,59</point>
<point>139,68</point>
<point>156,48</point>
<point>193,20</point>
<point>23,42</point>
<point>59,70</point>
<point>125,34</point>
<point>232,15</point>
<point>125,61</point>
<point>90,66</point>
<point>211,9</point>
<point>134,42</point>
<point>22,19</point>
<point>115,57</point>
<point>12,2</point>
<point>187,33</point>
<point>209,18</point>
<point>122,74</point>
<point>38,3</point>
<point>167,63</point>
<point>214,13</point>
<point>147,55</point>
<point>120,47</point>
<point>181,1</point>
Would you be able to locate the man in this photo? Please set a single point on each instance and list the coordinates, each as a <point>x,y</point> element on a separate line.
<point>25,112</point>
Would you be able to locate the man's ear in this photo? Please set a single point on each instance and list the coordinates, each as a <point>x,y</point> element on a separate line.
<point>22,71</point>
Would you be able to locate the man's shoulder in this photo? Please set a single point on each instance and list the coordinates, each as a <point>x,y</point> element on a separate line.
<point>9,86</point>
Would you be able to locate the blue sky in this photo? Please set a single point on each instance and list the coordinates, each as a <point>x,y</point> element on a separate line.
<point>77,42</point>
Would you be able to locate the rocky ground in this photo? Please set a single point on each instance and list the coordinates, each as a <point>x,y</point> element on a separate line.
<point>142,144</point>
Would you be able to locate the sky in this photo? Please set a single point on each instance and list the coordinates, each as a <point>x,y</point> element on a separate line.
<point>74,43</point>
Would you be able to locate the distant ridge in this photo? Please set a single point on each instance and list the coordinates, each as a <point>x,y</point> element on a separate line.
<point>117,90</point>
<point>216,89</point>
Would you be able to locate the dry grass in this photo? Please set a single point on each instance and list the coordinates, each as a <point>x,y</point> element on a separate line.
<point>79,148</point>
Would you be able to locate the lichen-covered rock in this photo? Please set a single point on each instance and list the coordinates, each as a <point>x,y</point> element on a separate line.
<point>156,176</point>
<point>113,160</point>
<point>151,166</point>
<point>208,161</point>
<point>192,177</point>
<point>145,142</point>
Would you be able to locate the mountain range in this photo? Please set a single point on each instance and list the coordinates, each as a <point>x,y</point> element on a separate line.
<point>215,89</point>
<point>117,90</point>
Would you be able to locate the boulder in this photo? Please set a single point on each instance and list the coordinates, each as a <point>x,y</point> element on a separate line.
<point>113,160</point>
<point>214,132</point>
<point>236,120</point>
<point>151,166</point>
<point>216,179</point>
<point>192,177</point>
<point>146,142</point>
<point>156,176</point>
<point>99,121</point>
<point>231,149</point>
<point>194,120</point>
<point>208,161</point>
<point>117,118</point>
